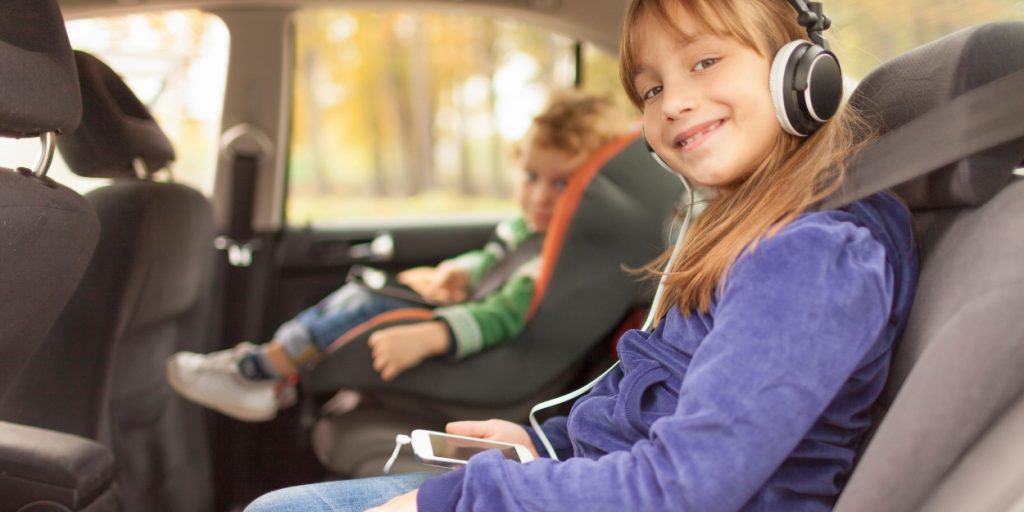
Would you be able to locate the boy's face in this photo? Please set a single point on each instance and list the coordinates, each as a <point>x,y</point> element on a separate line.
<point>546,171</point>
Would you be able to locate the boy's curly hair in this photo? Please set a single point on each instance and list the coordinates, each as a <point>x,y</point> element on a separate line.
<point>577,122</point>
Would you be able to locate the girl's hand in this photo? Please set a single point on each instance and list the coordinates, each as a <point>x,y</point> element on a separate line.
<point>495,430</point>
<point>402,503</point>
<point>397,349</point>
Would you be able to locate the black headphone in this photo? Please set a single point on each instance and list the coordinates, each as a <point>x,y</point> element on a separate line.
<point>806,82</point>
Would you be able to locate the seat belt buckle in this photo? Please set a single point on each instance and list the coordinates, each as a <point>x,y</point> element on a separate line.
<point>239,252</point>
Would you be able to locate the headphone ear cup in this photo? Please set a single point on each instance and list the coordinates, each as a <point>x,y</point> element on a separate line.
<point>782,89</point>
<point>806,85</point>
<point>819,70</point>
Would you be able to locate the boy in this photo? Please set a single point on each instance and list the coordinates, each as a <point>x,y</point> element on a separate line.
<point>241,382</point>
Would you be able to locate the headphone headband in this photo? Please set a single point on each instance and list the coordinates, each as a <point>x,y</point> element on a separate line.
<point>811,17</point>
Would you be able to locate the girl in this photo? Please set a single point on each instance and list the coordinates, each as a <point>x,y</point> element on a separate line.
<point>776,323</point>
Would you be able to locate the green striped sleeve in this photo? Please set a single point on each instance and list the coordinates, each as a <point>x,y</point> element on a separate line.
<point>506,237</point>
<point>496,318</point>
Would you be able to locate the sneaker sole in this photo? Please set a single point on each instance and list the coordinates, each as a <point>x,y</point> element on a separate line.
<point>236,413</point>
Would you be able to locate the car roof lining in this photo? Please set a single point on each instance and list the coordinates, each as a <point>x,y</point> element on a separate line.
<point>583,20</point>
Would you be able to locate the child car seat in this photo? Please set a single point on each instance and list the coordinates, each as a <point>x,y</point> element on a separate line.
<point>955,395</point>
<point>613,214</point>
<point>99,374</point>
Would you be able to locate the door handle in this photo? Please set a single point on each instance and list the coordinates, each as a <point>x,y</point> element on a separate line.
<point>381,248</point>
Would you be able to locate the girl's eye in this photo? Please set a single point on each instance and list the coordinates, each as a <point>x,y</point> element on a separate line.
<point>650,93</point>
<point>531,176</point>
<point>705,64</point>
<point>560,184</point>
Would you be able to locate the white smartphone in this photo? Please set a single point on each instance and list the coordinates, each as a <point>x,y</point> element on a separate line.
<point>450,451</point>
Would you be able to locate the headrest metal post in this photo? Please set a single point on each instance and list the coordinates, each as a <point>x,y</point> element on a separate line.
<point>140,168</point>
<point>49,143</point>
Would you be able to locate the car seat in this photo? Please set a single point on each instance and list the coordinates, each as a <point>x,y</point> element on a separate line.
<point>950,439</point>
<point>613,214</point>
<point>99,373</point>
<point>47,234</point>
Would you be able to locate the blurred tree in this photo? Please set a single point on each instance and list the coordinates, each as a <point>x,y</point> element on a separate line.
<point>868,32</point>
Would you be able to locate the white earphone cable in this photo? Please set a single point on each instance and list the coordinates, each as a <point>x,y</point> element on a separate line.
<point>400,441</point>
<point>691,210</point>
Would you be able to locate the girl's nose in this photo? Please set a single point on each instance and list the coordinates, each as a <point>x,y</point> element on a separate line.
<point>677,100</point>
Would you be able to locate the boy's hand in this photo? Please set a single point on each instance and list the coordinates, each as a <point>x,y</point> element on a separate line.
<point>451,284</point>
<point>397,349</point>
<point>444,284</point>
<point>417,278</point>
<point>495,430</point>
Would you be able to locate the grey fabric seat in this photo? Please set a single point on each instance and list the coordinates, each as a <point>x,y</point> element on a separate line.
<point>950,439</point>
<point>41,219</point>
<point>99,374</point>
<point>47,235</point>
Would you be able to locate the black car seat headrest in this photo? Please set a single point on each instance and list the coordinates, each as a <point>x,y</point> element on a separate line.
<point>38,92</point>
<point>116,128</point>
<point>931,76</point>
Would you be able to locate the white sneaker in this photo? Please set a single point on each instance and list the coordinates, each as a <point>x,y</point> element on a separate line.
<point>212,380</point>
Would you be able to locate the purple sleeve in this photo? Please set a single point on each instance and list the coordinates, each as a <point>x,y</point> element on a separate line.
<point>557,434</point>
<point>441,492</point>
<point>796,317</point>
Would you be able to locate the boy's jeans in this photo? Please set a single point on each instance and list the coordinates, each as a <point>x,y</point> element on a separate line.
<point>333,316</point>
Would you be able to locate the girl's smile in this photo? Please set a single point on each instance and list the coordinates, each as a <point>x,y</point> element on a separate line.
<point>692,138</point>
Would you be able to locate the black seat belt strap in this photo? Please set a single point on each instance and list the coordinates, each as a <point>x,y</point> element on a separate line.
<point>979,119</point>
<point>243,189</point>
<point>246,147</point>
<point>495,277</point>
<point>238,245</point>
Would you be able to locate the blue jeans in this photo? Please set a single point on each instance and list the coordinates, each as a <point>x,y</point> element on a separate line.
<point>336,314</point>
<point>340,496</point>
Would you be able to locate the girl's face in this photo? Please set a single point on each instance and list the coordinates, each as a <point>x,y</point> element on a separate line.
<point>707,109</point>
<point>546,171</point>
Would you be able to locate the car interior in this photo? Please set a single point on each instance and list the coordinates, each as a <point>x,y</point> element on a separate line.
<point>141,230</point>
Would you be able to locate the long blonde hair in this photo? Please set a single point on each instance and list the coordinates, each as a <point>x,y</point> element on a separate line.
<point>795,175</point>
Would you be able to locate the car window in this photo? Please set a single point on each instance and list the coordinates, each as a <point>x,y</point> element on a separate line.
<point>176,63</point>
<point>415,115</point>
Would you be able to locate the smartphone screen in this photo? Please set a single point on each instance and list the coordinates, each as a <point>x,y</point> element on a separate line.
<point>463,449</point>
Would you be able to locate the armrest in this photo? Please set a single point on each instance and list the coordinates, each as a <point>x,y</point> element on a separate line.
<point>44,465</point>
